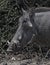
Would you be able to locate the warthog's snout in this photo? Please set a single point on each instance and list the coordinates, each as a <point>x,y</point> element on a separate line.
<point>14,46</point>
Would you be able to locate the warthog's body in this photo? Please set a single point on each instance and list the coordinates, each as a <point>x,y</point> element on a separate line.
<point>42,20</point>
<point>36,22</point>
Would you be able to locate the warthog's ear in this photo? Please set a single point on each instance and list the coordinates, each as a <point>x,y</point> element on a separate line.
<point>32,12</point>
<point>23,11</point>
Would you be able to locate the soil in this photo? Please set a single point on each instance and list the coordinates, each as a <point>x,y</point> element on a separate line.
<point>11,59</point>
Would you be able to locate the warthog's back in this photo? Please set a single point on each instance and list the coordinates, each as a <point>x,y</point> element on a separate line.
<point>42,9</point>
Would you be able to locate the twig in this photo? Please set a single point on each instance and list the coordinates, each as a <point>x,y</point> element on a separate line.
<point>47,53</point>
<point>3,51</point>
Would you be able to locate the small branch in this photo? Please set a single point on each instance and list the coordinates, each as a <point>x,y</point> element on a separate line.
<point>47,53</point>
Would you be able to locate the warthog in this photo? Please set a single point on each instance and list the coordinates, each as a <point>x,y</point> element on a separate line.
<point>33,22</point>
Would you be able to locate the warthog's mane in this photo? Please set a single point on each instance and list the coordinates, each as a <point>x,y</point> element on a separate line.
<point>33,10</point>
<point>41,9</point>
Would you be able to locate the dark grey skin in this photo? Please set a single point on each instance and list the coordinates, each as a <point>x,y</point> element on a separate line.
<point>42,20</point>
<point>33,22</point>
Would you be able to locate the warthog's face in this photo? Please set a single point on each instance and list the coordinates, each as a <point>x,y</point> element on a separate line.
<point>25,31</point>
<point>26,26</point>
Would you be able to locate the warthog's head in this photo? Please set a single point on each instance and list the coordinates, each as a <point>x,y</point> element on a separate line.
<point>25,30</point>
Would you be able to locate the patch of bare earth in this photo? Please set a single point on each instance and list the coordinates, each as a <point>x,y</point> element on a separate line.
<point>21,59</point>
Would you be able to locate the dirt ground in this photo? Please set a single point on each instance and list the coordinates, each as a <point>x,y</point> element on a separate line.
<point>20,60</point>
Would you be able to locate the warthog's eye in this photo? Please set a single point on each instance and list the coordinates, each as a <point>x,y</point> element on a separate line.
<point>24,21</point>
